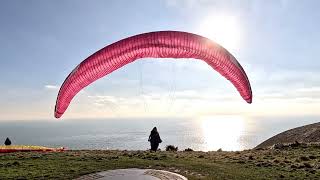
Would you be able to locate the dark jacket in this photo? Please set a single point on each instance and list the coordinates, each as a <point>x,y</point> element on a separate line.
<point>154,137</point>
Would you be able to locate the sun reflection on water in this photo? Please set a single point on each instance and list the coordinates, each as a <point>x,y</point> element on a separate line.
<point>223,132</point>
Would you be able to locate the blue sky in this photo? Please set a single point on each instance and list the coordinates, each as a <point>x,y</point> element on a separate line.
<point>277,42</point>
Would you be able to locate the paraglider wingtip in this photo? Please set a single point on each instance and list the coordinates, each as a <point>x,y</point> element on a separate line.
<point>249,101</point>
<point>57,115</point>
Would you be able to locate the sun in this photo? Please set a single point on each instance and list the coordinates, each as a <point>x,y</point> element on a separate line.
<point>223,29</point>
<point>223,132</point>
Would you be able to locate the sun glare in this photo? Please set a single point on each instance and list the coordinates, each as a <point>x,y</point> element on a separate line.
<point>222,132</point>
<point>222,29</point>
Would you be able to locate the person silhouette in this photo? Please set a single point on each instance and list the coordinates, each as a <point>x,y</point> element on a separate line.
<point>7,142</point>
<point>154,139</point>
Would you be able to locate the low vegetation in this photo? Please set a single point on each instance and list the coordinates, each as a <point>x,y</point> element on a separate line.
<point>171,148</point>
<point>301,162</point>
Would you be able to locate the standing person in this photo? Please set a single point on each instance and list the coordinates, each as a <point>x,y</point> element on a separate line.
<point>7,142</point>
<point>154,139</point>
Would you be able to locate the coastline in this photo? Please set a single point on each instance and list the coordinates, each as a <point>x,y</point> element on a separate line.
<point>298,160</point>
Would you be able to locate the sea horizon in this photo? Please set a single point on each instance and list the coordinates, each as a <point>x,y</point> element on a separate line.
<point>204,134</point>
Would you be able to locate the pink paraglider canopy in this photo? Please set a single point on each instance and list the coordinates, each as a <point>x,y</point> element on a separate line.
<point>162,44</point>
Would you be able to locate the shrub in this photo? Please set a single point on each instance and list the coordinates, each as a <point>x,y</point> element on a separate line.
<point>171,148</point>
<point>188,150</point>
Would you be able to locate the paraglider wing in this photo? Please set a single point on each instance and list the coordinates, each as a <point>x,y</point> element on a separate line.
<point>162,44</point>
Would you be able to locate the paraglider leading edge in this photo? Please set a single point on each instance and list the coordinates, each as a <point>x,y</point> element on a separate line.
<point>161,44</point>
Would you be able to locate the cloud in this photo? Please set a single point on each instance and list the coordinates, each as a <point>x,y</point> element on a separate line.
<point>191,3</point>
<point>314,89</point>
<point>201,6</point>
<point>219,4</point>
<point>160,101</point>
<point>51,87</point>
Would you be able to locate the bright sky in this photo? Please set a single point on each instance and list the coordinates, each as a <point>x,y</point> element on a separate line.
<point>277,43</point>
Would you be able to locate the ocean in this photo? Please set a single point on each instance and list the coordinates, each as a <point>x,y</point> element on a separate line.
<point>211,133</point>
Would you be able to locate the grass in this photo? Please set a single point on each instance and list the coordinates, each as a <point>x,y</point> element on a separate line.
<point>287,163</point>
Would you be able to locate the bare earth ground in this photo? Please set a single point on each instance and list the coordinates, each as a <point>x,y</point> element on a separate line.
<point>302,162</point>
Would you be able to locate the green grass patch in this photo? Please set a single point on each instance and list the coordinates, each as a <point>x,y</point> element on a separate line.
<point>289,163</point>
